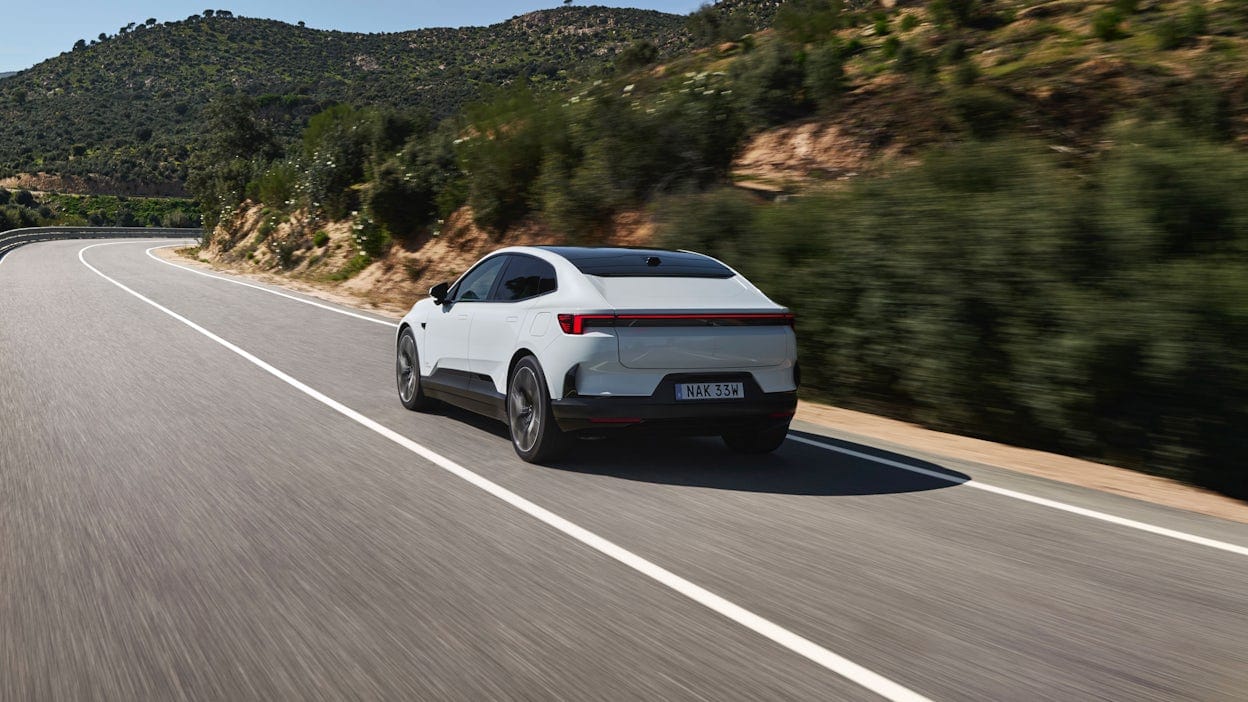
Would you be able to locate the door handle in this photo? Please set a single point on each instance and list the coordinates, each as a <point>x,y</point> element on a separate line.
<point>513,319</point>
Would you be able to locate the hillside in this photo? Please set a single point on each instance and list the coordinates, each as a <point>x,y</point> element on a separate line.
<point>129,107</point>
<point>6,75</point>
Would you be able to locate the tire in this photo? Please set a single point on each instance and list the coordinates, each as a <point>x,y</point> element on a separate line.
<point>757,441</point>
<point>534,434</point>
<point>407,374</point>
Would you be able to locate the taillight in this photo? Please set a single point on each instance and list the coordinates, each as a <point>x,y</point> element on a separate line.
<point>577,323</point>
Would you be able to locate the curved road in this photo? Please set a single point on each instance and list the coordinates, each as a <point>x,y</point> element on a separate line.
<point>208,491</point>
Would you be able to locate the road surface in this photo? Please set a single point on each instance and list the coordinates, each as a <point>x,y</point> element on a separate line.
<point>210,491</point>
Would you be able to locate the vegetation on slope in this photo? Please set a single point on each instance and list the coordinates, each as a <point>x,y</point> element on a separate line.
<point>130,106</point>
<point>22,208</point>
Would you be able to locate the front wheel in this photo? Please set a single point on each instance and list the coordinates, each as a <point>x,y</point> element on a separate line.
<point>534,434</point>
<point>407,374</point>
<point>756,441</point>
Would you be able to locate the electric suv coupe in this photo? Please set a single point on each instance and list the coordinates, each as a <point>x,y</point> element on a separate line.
<point>565,341</point>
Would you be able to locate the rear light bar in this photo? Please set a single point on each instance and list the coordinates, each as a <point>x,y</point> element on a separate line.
<point>578,323</point>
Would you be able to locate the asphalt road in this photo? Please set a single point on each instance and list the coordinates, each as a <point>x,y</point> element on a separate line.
<point>231,504</point>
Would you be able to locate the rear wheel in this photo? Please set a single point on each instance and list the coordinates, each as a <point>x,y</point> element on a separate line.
<point>756,441</point>
<point>407,374</point>
<point>534,434</point>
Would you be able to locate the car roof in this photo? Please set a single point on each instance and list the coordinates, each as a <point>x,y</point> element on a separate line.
<point>619,261</point>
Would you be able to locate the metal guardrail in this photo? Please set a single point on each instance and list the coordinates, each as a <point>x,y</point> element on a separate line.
<point>19,237</point>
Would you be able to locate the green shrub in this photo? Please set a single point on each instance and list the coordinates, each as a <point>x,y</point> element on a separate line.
<point>808,21</point>
<point>770,85</point>
<point>638,55</point>
<point>372,239</point>
<point>1195,20</point>
<point>278,185</point>
<point>965,74</point>
<point>825,73</point>
<point>1106,25</point>
<point>984,112</point>
<point>908,22</point>
<point>890,47</point>
<point>320,239</point>
<point>959,13</point>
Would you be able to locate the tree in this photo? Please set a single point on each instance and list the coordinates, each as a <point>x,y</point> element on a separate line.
<point>103,36</point>
<point>80,44</point>
<point>24,198</point>
<point>150,21</point>
<point>208,13</point>
<point>640,54</point>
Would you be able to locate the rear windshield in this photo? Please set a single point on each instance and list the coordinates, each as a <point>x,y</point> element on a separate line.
<point>642,263</point>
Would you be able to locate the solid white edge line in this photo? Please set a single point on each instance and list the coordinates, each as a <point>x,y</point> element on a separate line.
<point>150,255</point>
<point>804,647</point>
<point>1042,501</point>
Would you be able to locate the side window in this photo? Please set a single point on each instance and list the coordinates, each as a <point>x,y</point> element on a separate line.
<point>526,277</point>
<point>476,285</point>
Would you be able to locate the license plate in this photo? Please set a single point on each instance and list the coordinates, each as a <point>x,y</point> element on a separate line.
<point>710,391</point>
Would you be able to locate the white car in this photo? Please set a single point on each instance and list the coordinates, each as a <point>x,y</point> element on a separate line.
<point>565,341</point>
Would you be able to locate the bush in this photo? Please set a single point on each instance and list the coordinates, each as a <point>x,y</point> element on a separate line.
<point>24,198</point>
<point>320,239</point>
<point>808,21</point>
<point>957,13</point>
<point>638,55</point>
<point>825,73</point>
<point>1106,25</point>
<point>965,74</point>
<point>278,185</point>
<point>770,85</point>
<point>373,240</point>
<point>983,112</point>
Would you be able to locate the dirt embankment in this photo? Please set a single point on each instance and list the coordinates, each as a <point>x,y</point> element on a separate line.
<point>259,242</point>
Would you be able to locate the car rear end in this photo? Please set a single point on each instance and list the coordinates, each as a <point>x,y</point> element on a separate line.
<point>681,344</point>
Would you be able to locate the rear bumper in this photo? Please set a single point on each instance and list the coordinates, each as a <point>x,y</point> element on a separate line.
<point>662,412</point>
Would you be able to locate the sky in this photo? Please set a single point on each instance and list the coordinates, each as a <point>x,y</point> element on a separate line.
<point>35,32</point>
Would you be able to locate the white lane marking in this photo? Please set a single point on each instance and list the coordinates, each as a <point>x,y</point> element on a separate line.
<point>1042,501</point>
<point>271,292</point>
<point>804,647</point>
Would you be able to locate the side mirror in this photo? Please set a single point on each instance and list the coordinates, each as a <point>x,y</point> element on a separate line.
<point>439,292</point>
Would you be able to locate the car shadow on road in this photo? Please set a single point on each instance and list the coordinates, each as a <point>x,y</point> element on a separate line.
<point>795,469</point>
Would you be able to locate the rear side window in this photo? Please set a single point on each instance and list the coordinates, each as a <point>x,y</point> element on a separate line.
<point>525,277</point>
